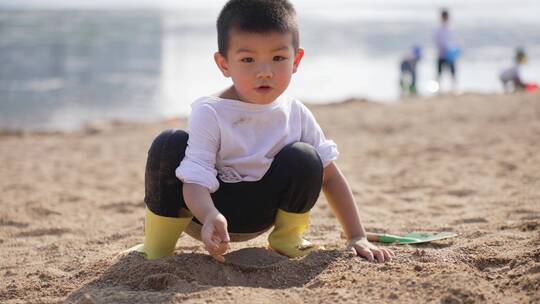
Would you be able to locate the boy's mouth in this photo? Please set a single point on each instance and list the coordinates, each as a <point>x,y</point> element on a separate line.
<point>263,89</point>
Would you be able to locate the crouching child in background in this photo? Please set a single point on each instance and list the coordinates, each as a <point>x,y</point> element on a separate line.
<point>511,78</point>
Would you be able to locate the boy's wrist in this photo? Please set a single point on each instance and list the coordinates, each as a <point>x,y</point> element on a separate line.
<point>211,213</point>
<point>356,235</point>
<point>352,241</point>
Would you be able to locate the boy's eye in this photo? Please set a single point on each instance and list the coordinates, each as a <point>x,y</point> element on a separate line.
<point>279,58</point>
<point>247,59</point>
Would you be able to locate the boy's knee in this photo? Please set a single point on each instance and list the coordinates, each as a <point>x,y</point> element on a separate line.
<point>169,138</point>
<point>163,191</point>
<point>302,159</point>
<point>302,166</point>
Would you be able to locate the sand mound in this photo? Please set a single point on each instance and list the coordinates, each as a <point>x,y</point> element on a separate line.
<point>186,273</point>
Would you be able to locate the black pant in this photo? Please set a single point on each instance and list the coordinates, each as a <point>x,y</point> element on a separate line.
<point>292,183</point>
<point>445,62</point>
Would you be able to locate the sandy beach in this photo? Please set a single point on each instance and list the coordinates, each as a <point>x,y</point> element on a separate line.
<point>71,202</point>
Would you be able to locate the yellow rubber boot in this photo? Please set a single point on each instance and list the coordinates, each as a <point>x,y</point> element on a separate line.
<point>160,235</point>
<point>286,238</point>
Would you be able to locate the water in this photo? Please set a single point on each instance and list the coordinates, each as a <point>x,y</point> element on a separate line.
<point>64,66</point>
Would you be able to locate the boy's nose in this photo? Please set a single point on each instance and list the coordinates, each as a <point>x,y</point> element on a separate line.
<point>265,71</point>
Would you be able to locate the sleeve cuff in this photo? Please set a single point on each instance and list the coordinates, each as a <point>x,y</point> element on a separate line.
<point>192,173</point>
<point>328,152</point>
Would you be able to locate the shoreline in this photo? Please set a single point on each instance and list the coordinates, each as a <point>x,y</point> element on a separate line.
<point>102,125</point>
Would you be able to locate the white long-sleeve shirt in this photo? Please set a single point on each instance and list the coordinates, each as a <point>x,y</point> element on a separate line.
<point>236,141</point>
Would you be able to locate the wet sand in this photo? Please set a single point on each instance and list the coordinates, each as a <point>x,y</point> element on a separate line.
<point>468,164</point>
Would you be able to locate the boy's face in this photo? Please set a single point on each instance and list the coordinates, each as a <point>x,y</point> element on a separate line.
<point>260,65</point>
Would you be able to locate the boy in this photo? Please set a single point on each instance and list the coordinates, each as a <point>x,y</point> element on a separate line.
<point>253,158</point>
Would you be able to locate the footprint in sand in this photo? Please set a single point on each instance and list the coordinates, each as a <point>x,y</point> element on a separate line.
<point>529,226</point>
<point>473,220</point>
<point>507,166</point>
<point>162,281</point>
<point>490,264</point>
<point>122,207</point>
<point>453,206</point>
<point>4,222</point>
<point>526,214</point>
<point>523,226</point>
<point>401,211</point>
<point>459,295</point>
<point>521,211</point>
<point>461,192</point>
<point>43,231</point>
<point>254,258</point>
<point>42,211</point>
<point>534,269</point>
<point>530,217</point>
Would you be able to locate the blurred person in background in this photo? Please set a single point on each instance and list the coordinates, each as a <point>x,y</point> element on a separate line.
<point>511,77</point>
<point>408,76</point>
<point>447,48</point>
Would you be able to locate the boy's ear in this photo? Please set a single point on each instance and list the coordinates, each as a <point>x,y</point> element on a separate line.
<point>297,59</point>
<point>222,64</point>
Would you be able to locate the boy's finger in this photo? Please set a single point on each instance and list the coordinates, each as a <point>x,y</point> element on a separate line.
<point>222,233</point>
<point>210,249</point>
<point>211,245</point>
<point>387,255</point>
<point>378,255</point>
<point>215,246</point>
<point>225,237</point>
<point>221,249</point>
<point>222,238</point>
<point>390,253</point>
<point>365,253</point>
<point>206,236</point>
<point>220,241</point>
<point>219,258</point>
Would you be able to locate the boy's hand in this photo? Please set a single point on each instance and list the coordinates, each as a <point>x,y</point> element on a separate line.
<point>372,253</point>
<point>215,236</point>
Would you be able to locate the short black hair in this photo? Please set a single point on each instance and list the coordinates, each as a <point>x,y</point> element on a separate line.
<point>444,14</point>
<point>256,16</point>
<point>520,54</point>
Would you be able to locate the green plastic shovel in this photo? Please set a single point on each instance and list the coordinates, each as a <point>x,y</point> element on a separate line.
<point>410,238</point>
